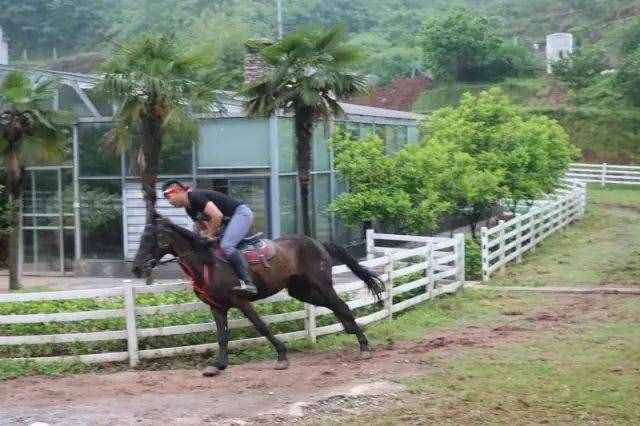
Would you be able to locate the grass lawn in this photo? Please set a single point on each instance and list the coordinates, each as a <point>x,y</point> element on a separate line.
<point>584,369</point>
<point>601,249</point>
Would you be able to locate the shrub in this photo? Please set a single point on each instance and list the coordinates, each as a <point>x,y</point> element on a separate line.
<point>472,260</point>
<point>581,68</point>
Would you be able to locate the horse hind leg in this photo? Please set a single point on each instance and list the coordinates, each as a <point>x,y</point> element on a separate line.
<point>325,295</point>
<point>247,309</point>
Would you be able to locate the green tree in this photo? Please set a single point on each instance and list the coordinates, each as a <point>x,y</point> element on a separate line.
<point>309,73</point>
<point>28,127</point>
<point>456,45</point>
<point>530,152</point>
<point>158,85</point>
<point>628,77</point>
<point>581,68</point>
<point>375,192</point>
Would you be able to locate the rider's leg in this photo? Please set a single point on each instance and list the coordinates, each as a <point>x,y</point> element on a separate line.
<point>237,229</point>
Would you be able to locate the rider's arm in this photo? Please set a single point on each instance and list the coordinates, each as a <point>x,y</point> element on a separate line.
<point>215,218</point>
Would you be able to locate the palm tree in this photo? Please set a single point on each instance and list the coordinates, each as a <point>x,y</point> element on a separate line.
<point>308,73</point>
<point>28,126</point>
<point>157,86</point>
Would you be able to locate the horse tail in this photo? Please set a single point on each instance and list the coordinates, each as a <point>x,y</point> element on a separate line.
<point>373,281</point>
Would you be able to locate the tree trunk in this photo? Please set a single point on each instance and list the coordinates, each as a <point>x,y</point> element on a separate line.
<point>149,159</point>
<point>304,134</point>
<point>14,187</point>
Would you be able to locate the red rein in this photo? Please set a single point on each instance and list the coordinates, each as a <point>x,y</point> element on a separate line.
<point>199,288</point>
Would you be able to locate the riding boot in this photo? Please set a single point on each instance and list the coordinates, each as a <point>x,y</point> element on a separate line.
<point>245,285</point>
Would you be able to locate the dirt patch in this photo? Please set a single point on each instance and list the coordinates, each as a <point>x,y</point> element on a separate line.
<point>317,385</point>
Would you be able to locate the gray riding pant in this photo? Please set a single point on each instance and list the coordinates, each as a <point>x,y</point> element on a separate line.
<point>238,228</point>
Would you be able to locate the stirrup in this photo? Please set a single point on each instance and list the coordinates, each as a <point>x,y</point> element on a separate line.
<point>245,289</point>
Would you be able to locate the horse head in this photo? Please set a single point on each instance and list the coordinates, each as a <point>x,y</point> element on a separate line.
<point>154,245</point>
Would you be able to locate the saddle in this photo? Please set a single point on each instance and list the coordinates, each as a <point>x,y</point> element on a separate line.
<point>254,248</point>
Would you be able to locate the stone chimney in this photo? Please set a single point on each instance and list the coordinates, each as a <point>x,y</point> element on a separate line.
<point>4,49</point>
<point>254,66</point>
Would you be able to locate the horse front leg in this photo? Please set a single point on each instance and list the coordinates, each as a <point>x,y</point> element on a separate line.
<point>222,331</point>
<point>247,309</point>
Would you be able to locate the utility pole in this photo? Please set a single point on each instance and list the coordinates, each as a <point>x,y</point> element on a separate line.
<point>279,18</point>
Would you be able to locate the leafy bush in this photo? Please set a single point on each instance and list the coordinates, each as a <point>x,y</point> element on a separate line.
<point>472,260</point>
<point>581,68</point>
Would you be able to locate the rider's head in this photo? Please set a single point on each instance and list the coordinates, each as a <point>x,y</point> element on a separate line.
<point>176,193</point>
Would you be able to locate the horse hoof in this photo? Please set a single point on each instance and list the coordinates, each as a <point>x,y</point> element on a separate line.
<point>282,365</point>
<point>210,372</point>
<point>365,355</point>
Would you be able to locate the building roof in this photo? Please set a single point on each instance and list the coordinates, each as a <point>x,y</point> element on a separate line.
<point>232,100</point>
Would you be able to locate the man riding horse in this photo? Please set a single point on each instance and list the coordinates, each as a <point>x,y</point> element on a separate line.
<point>209,210</point>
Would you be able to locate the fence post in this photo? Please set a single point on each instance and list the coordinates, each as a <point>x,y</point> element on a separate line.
<point>388,288</point>
<point>459,250</point>
<point>371,246</point>
<point>429,256</point>
<point>501,246</point>
<point>603,178</point>
<point>519,239</point>
<point>310,321</point>
<point>130,312</point>
<point>484,253</point>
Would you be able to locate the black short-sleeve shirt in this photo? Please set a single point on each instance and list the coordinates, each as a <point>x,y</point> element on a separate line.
<point>198,199</point>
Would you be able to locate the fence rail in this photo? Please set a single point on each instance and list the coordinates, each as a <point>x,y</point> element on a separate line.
<point>423,269</point>
<point>508,241</point>
<point>605,173</point>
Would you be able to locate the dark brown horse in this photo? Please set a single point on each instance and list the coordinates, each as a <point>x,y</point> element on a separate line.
<point>299,264</point>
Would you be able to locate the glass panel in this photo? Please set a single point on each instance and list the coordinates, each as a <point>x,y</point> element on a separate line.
<point>345,234</point>
<point>322,197</point>
<point>234,142</point>
<point>288,205</point>
<point>220,185</point>
<point>101,219</point>
<point>46,191</point>
<point>69,249</point>
<point>287,149</point>
<point>67,190</point>
<point>321,161</point>
<point>175,156</point>
<point>396,138</point>
<point>254,193</point>
<point>367,129</point>
<point>413,134</point>
<point>27,244</point>
<point>47,251</point>
<point>353,128</point>
<point>68,100</point>
<point>96,159</point>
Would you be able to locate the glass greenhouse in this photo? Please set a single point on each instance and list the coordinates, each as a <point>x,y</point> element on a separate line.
<point>83,215</point>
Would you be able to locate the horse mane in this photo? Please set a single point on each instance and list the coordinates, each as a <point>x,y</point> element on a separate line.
<point>201,246</point>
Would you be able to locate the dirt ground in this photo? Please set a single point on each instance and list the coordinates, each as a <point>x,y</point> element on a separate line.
<point>316,388</point>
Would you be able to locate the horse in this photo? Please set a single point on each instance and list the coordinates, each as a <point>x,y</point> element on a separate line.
<point>298,263</point>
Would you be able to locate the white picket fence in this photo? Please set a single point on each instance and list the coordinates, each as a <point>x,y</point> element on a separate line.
<point>430,267</point>
<point>510,240</point>
<point>605,173</point>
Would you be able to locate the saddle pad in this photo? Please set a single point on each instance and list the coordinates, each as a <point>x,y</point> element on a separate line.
<point>261,252</point>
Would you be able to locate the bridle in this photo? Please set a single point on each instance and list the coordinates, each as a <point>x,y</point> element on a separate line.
<point>158,248</point>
